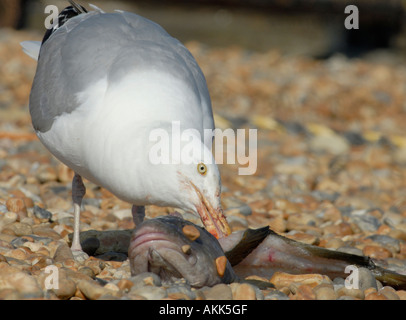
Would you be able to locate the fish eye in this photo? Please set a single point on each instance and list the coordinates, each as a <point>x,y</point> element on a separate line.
<point>201,168</point>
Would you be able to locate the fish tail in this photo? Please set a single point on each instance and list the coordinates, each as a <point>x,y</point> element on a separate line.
<point>389,277</point>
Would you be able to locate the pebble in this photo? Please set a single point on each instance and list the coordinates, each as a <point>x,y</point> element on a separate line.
<point>63,253</point>
<point>303,237</point>
<point>276,295</point>
<point>65,288</point>
<point>3,208</point>
<point>346,298</point>
<point>87,271</point>
<point>18,229</point>
<point>93,291</point>
<point>146,278</point>
<point>181,291</point>
<point>366,222</point>
<point>355,293</point>
<point>46,173</point>
<point>125,285</point>
<point>334,243</point>
<point>325,292</point>
<point>341,229</point>
<point>398,235</point>
<point>74,275</point>
<point>277,224</point>
<point>351,250</point>
<point>23,283</point>
<point>112,286</point>
<point>376,296</point>
<point>233,206</point>
<point>41,213</point>
<point>366,279</point>
<point>282,279</point>
<point>388,242</point>
<point>218,292</point>
<point>376,252</point>
<point>95,265</point>
<point>16,205</point>
<point>392,219</point>
<point>301,292</point>
<point>33,246</point>
<point>243,291</point>
<point>333,144</point>
<point>262,205</point>
<point>237,223</point>
<point>149,292</point>
<point>7,218</point>
<point>45,231</point>
<point>19,254</point>
<point>401,227</point>
<point>401,294</point>
<point>10,294</point>
<point>389,293</point>
<point>123,214</point>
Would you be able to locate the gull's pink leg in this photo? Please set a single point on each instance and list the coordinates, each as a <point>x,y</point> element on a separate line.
<point>78,192</point>
<point>138,213</point>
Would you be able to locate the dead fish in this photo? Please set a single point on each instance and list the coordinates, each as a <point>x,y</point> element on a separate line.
<point>175,248</point>
<point>157,246</point>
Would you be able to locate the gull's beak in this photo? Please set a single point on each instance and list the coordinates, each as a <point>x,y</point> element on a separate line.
<point>213,219</point>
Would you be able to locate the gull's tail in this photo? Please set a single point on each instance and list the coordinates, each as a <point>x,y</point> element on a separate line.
<point>31,48</point>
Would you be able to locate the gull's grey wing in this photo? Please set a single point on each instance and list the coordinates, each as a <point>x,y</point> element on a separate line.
<point>91,46</point>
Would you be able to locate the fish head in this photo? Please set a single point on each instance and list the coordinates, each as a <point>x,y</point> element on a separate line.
<point>175,248</point>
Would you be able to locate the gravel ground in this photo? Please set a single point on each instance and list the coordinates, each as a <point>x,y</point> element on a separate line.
<point>331,172</point>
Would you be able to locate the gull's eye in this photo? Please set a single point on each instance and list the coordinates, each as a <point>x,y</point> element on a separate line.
<point>201,168</point>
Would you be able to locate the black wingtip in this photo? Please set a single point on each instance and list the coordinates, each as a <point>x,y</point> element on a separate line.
<point>78,8</point>
<point>66,14</point>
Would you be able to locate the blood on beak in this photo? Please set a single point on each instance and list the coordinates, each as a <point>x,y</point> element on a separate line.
<point>213,219</point>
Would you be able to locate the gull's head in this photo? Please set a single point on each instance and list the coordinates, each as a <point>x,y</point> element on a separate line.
<point>193,184</point>
<point>200,186</point>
